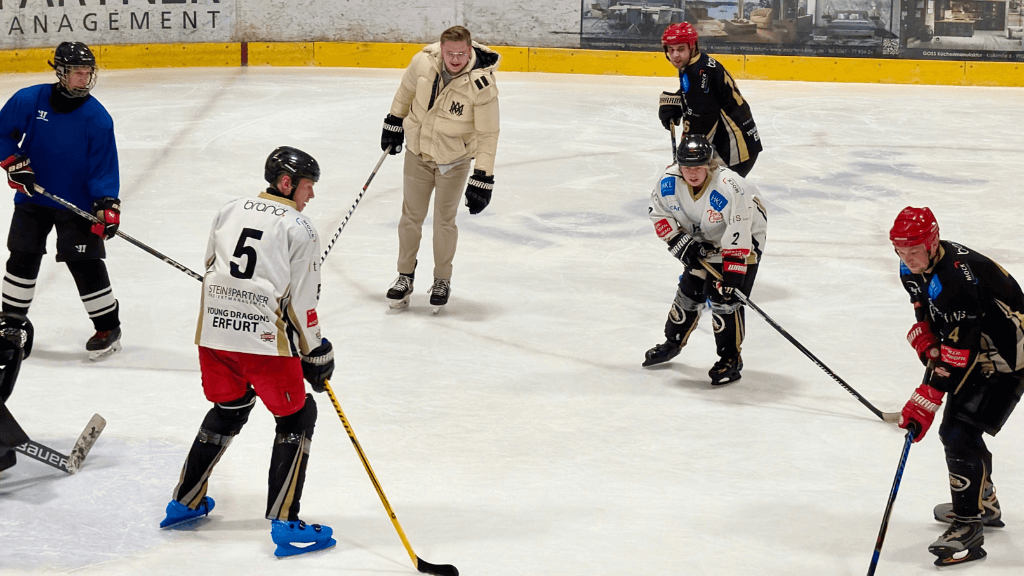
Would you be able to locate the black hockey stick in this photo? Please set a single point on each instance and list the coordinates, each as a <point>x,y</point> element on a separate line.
<point>911,432</point>
<point>672,128</point>
<point>891,417</point>
<point>93,218</point>
<point>354,204</point>
<point>419,563</point>
<point>71,463</point>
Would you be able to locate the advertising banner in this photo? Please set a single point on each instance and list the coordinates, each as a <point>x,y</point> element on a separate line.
<point>910,29</point>
<point>44,23</point>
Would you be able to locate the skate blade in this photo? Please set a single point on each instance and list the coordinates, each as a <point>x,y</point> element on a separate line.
<point>962,557</point>
<point>187,523</point>
<point>95,355</point>
<point>437,308</point>
<point>289,550</point>
<point>399,304</point>
<point>725,381</point>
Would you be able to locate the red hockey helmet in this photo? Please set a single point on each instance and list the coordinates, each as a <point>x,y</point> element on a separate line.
<point>679,33</point>
<point>914,226</point>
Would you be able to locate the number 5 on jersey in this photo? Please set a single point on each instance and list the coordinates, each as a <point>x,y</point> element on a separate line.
<point>247,252</point>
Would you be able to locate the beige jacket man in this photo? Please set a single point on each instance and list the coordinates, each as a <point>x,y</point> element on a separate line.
<point>448,120</point>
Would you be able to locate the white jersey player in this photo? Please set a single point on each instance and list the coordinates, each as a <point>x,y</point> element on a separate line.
<point>259,335</point>
<point>710,215</point>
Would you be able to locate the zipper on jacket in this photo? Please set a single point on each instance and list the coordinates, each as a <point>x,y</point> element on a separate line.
<point>433,91</point>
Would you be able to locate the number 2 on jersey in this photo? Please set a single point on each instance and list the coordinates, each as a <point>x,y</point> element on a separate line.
<point>248,252</point>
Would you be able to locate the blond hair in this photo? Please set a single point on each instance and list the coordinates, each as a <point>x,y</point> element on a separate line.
<point>457,34</point>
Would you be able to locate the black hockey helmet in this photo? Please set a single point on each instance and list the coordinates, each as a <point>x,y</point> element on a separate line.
<point>69,55</point>
<point>291,161</point>
<point>694,150</point>
<point>16,332</point>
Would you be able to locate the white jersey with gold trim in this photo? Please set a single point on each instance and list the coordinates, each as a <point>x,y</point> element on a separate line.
<point>262,281</point>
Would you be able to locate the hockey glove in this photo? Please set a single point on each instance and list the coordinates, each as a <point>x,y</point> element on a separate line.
<point>926,343</point>
<point>734,273</point>
<point>920,410</point>
<point>19,174</point>
<point>108,211</point>
<point>670,109</point>
<point>318,367</point>
<point>478,191</point>
<point>393,134</point>
<point>689,250</point>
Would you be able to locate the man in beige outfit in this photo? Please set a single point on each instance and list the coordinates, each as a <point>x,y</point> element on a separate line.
<point>448,104</point>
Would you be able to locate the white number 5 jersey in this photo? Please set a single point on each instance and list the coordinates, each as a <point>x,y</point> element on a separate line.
<point>262,281</point>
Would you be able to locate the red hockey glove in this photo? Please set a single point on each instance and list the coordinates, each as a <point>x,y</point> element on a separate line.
<point>926,343</point>
<point>920,410</point>
<point>108,211</point>
<point>19,174</point>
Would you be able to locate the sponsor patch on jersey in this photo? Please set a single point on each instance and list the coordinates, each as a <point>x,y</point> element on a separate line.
<point>934,287</point>
<point>717,201</point>
<point>662,228</point>
<point>268,337</point>
<point>311,319</point>
<point>309,229</point>
<point>733,266</point>
<point>684,82</point>
<point>954,357</point>
<point>714,217</point>
<point>966,269</point>
<point>668,186</point>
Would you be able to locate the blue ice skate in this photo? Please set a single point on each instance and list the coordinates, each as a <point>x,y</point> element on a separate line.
<point>178,513</point>
<point>297,537</point>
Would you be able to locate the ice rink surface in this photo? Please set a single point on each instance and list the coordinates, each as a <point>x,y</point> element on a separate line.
<point>515,432</point>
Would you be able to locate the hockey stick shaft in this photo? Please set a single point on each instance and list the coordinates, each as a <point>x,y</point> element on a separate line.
<point>67,463</point>
<point>44,454</point>
<point>354,204</point>
<point>421,565</point>
<point>892,499</point>
<point>746,301</point>
<point>93,218</point>
<point>672,128</point>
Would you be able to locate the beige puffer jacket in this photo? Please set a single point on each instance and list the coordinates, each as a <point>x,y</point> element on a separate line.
<point>447,124</point>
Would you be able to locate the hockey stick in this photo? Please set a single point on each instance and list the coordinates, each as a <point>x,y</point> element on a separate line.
<point>354,204</point>
<point>71,463</point>
<point>885,417</point>
<point>93,218</point>
<point>419,563</point>
<point>672,128</point>
<point>892,499</point>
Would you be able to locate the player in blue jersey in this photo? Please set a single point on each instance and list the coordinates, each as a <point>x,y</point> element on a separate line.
<point>60,137</point>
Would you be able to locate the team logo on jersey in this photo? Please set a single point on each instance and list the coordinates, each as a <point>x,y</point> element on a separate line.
<point>42,115</point>
<point>457,109</point>
<point>268,337</point>
<point>934,287</point>
<point>668,186</point>
<point>311,319</point>
<point>967,272</point>
<point>714,217</point>
<point>717,201</point>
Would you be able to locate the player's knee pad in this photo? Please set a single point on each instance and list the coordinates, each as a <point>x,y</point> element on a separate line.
<point>24,264</point>
<point>961,439</point>
<point>227,418</point>
<point>301,422</point>
<point>687,302</point>
<point>722,309</point>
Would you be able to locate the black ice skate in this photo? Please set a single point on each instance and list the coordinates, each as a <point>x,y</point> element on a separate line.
<point>400,291</point>
<point>991,515</point>
<point>960,543</point>
<point>726,370</point>
<point>103,343</point>
<point>661,353</point>
<point>439,293</point>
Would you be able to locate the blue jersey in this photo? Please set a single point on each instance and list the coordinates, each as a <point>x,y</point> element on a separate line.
<point>73,155</point>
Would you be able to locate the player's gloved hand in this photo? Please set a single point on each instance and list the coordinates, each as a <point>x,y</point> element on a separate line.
<point>670,109</point>
<point>393,134</point>
<point>920,410</point>
<point>19,172</point>
<point>318,367</point>
<point>689,250</point>
<point>478,191</point>
<point>108,211</point>
<point>924,341</point>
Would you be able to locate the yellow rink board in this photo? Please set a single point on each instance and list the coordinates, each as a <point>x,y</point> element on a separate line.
<point>521,59</point>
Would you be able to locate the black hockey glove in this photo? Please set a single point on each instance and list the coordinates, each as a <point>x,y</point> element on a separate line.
<point>108,211</point>
<point>393,134</point>
<point>689,250</point>
<point>478,191</point>
<point>318,367</point>
<point>19,174</point>
<point>670,109</point>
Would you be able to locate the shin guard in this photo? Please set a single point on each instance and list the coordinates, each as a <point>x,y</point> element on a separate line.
<point>288,462</point>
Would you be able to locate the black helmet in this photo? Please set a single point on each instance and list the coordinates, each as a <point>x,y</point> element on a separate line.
<point>69,55</point>
<point>694,150</point>
<point>16,331</point>
<point>291,161</point>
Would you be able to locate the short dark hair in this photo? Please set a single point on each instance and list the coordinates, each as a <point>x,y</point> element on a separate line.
<point>457,34</point>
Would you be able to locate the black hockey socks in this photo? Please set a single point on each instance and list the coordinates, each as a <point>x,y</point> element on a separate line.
<point>729,333</point>
<point>288,462</point>
<point>19,286</point>
<point>94,289</point>
<point>969,463</point>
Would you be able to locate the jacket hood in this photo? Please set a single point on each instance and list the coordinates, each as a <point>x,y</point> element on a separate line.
<point>483,57</point>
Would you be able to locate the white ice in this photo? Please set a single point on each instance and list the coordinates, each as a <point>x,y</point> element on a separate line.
<point>515,432</point>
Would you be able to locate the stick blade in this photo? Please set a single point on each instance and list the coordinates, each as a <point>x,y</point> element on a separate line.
<point>891,417</point>
<point>438,569</point>
<point>85,443</point>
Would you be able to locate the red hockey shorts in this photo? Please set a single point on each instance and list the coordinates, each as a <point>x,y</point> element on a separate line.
<point>277,380</point>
